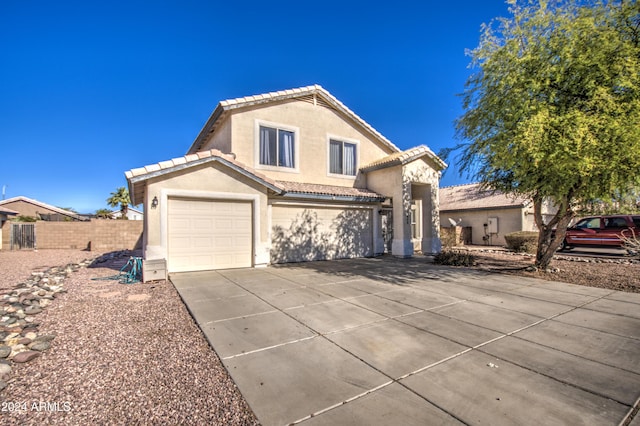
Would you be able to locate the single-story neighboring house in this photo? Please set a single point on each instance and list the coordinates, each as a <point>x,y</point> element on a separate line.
<point>284,177</point>
<point>488,215</point>
<point>4,216</point>
<point>39,210</point>
<point>132,214</point>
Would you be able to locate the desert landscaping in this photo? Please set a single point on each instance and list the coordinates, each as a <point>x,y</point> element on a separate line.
<point>123,354</point>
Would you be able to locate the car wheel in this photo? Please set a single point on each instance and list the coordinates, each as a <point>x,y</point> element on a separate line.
<point>564,246</point>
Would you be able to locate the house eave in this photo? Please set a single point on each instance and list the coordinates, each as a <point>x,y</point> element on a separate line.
<point>472,209</point>
<point>133,180</point>
<point>329,197</point>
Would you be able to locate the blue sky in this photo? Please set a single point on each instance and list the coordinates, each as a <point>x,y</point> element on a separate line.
<point>89,89</point>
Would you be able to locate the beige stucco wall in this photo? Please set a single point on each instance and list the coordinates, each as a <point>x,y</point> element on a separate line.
<point>315,124</point>
<point>211,181</point>
<point>509,220</point>
<point>221,139</point>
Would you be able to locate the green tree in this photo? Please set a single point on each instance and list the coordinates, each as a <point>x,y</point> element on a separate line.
<point>120,197</point>
<point>103,213</point>
<point>553,111</point>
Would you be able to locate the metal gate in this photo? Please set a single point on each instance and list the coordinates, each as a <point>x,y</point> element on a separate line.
<point>23,236</point>
<point>387,228</point>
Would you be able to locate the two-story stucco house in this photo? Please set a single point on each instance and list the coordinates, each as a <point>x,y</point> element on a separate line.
<point>284,177</point>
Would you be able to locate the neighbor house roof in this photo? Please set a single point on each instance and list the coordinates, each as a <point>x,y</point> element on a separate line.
<point>131,209</point>
<point>137,177</point>
<point>42,205</point>
<point>8,212</point>
<point>314,94</point>
<point>473,197</point>
<point>404,157</point>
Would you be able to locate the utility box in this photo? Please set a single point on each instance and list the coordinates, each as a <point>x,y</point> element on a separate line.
<point>492,227</point>
<point>153,270</point>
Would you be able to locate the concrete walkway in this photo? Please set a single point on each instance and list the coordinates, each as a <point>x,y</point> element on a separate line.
<point>401,342</point>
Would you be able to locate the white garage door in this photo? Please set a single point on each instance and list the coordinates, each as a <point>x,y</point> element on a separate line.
<point>302,234</point>
<point>208,234</point>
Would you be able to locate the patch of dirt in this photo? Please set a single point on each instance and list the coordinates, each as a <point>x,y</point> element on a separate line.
<point>614,276</point>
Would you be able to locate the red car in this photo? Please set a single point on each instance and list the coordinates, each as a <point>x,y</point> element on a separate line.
<point>601,231</point>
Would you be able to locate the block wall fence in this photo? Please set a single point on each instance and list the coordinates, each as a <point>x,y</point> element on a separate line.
<point>95,235</point>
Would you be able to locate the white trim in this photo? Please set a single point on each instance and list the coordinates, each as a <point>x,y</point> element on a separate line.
<point>167,193</point>
<point>256,146</point>
<point>337,138</point>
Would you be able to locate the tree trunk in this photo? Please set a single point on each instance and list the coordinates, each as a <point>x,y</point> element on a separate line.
<point>549,240</point>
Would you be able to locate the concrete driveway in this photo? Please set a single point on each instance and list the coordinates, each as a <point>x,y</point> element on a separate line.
<point>401,342</point>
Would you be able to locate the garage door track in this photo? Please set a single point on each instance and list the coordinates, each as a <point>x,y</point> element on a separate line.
<point>399,341</point>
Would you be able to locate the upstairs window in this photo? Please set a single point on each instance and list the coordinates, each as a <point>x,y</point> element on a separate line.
<point>342,158</point>
<point>277,147</point>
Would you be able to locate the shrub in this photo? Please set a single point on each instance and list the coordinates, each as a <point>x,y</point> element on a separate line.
<point>449,237</point>
<point>25,219</point>
<point>522,241</point>
<point>454,258</point>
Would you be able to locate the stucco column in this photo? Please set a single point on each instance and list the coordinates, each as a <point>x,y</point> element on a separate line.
<point>430,220</point>
<point>378,240</point>
<point>402,246</point>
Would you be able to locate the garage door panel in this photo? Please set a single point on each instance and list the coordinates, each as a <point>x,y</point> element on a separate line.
<point>303,234</point>
<point>209,234</point>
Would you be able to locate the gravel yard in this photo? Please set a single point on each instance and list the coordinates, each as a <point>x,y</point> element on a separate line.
<point>131,354</point>
<point>124,354</point>
<point>614,276</point>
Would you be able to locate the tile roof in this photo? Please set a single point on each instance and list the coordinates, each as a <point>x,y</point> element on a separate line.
<point>136,177</point>
<point>7,211</point>
<point>318,93</point>
<point>295,188</point>
<point>473,197</point>
<point>403,158</point>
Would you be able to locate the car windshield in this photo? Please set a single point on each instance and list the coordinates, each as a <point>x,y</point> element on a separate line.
<point>636,221</point>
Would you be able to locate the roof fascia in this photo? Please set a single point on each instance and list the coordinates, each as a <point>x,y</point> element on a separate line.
<point>327,197</point>
<point>206,129</point>
<point>470,209</point>
<point>157,173</point>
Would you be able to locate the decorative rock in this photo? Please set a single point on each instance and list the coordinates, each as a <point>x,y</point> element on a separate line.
<point>45,338</point>
<point>17,349</point>
<point>5,371</point>
<point>44,303</point>
<point>40,346</point>
<point>30,310</point>
<point>31,335</point>
<point>2,385</point>
<point>11,336</point>
<point>24,341</point>
<point>4,351</point>
<point>26,356</point>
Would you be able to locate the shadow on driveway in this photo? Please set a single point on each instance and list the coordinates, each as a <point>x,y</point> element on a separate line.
<point>400,341</point>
